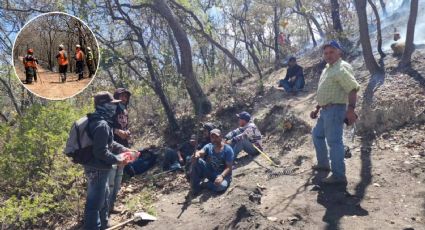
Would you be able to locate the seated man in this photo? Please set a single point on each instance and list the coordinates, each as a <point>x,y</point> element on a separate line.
<point>186,151</point>
<point>206,129</point>
<point>245,137</point>
<point>217,166</point>
<point>294,79</point>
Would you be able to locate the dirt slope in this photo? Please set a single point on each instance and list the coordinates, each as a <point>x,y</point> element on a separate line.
<point>386,173</point>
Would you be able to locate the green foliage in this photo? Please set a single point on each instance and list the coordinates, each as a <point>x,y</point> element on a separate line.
<point>37,178</point>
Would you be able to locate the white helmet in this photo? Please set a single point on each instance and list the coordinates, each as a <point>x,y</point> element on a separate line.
<point>61,46</point>
<point>88,48</point>
<point>78,46</point>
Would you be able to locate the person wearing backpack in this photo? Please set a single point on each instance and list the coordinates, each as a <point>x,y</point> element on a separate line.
<point>121,135</point>
<point>30,63</point>
<point>98,168</point>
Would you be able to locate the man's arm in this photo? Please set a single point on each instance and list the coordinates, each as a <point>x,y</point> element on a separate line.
<point>100,144</point>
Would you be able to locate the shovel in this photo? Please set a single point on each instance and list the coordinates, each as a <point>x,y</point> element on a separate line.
<point>137,217</point>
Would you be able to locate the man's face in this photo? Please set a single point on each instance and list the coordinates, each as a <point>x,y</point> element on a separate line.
<point>242,122</point>
<point>124,98</point>
<point>193,142</point>
<point>215,139</point>
<point>292,63</point>
<point>331,54</point>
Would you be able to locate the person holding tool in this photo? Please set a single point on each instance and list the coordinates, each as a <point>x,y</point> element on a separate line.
<point>337,87</point>
<point>246,137</point>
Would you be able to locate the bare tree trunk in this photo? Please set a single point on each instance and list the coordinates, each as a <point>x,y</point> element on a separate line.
<point>336,20</point>
<point>11,95</point>
<point>276,38</point>
<point>369,59</point>
<point>378,25</point>
<point>410,46</point>
<point>201,102</point>
<point>384,8</point>
<point>299,5</point>
<point>241,67</point>
<point>173,46</point>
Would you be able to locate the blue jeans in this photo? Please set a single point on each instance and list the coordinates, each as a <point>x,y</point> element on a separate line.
<point>292,86</point>
<point>202,170</point>
<point>115,178</point>
<point>244,145</point>
<point>96,209</point>
<point>328,133</point>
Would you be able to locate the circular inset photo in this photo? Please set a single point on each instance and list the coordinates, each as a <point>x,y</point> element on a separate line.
<point>55,55</point>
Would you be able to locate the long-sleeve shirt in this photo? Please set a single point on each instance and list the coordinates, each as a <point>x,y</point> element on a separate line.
<point>249,131</point>
<point>294,71</point>
<point>104,146</point>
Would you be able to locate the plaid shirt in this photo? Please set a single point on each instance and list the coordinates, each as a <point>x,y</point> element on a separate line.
<point>249,131</point>
<point>335,83</point>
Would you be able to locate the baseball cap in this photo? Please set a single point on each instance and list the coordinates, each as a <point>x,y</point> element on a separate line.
<point>193,137</point>
<point>104,97</point>
<point>216,132</point>
<point>332,43</point>
<point>244,116</point>
<point>77,46</point>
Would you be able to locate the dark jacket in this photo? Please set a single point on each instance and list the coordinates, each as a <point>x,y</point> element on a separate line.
<point>121,118</point>
<point>104,146</point>
<point>295,70</point>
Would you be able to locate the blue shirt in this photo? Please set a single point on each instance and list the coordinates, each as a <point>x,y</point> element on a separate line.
<point>218,161</point>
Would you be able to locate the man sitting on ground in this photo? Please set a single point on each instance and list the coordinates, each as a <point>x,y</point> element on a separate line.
<point>186,151</point>
<point>294,79</point>
<point>217,166</point>
<point>245,137</point>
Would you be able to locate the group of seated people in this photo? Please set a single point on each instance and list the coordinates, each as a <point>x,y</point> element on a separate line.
<point>209,163</point>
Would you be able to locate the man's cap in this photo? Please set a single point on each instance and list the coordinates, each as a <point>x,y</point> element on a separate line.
<point>208,126</point>
<point>244,116</point>
<point>77,46</point>
<point>61,46</point>
<point>193,137</point>
<point>332,43</point>
<point>88,48</point>
<point>30,51</point>
<point>216,132</point>
<point>104,97</point>
<point>292,58</point>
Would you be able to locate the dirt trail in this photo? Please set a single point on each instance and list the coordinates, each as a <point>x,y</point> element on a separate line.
<point>49,86</point>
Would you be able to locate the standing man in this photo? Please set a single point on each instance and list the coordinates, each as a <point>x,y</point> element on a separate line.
<point>97,170</point>
<point>245,137</point>
<point>30,64</point>
<point>337,87</point>
<point>62,57</point>
<point>217,166</point>
<point>79,65</point>
<point>294,79</point>
<point>90,62</point>
<point>121,136</point>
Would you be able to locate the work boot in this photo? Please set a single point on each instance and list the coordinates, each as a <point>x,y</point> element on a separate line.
<point>321,168</point>
<point>334,180</point>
